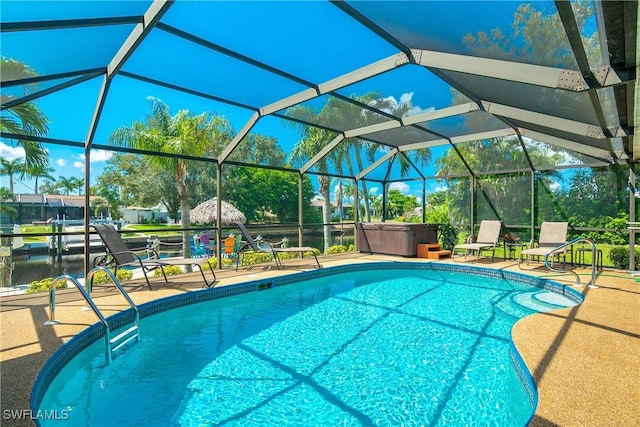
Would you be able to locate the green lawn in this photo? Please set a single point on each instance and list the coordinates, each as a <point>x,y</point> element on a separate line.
<point>171,230</point>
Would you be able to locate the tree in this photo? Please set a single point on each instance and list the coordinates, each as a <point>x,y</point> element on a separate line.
<point>111,201</point>
<point>77,184</point>
<point>399,204</point>
<point>66,185</point>
<point>25,118</point>
<point>313,140</point>
<point>100,206</point>
<point>11,168</point>
<point>539,38</point>
<point>39,171</point>
<point>5,196</point>
<point>510,193</point>
<point>178,135</point>
<point>262,194</point>
<point>50,186</point>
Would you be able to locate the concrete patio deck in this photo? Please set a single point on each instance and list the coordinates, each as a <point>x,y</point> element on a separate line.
<point>585,360</point>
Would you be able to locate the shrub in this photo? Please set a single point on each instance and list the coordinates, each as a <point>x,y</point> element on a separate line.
<point>448,236</point>
<point>251,258</point>
<point>619,256</point>
<point>337,249</point>
<point>169,270</point>
<point>100,277</point>
<point>43,285</point>
<point>292,255</point>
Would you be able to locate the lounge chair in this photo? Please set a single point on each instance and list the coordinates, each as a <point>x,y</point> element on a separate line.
<point>119,255</point>
<point>552,235</point>
<point>209,246</point>
<point>229,246</point>
<point>252,245</point>
<point>488,236</point>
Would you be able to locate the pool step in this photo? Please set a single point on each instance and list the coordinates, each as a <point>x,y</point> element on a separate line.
<point>438,254</point>
<point>124,337</point>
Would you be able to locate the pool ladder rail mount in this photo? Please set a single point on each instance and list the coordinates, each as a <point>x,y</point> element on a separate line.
<point>112,344</point>
<point>551,253</point>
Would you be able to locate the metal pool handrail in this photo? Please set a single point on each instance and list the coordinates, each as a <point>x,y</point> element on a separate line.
<point>111,344</point>
<point>592,283</point>
<point>52,309</point>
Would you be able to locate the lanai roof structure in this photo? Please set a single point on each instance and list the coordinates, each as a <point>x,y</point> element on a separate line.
<point>469,70</point>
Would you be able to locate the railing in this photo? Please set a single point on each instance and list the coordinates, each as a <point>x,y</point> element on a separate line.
<point>111,344</point>
<point>552,252</point>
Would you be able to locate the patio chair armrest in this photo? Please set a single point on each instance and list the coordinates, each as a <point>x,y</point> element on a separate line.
<point>137,256</point>
<point>275,244</point>
<point>101,260</point>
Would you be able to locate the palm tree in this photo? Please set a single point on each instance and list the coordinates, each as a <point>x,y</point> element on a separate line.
<point>40,171</point>
<point>50,186</point>
<point>313,140</point>
<point>340,198</point>
<point>100,206</point>
<point>25,118</point>
<point>67,185</point>
<point>178,135</point>
<point>339,114</point>
<point>420,157</point>
<point>343,114</point>
<point>78,184</point>
<point>11,168</point>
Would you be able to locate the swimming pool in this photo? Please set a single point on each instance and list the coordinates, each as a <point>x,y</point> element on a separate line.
<point>379,344</point>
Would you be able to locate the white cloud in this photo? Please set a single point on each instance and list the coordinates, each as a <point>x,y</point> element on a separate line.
<point>97,156</point>
<point>78,165</point>
<point>61,162</point>
<point>405,98</point>
<point>8,152</point>
<point>400,186</point>
<point>374,190</point>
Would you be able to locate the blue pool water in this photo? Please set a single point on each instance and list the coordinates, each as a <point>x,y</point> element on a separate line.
<point>383,347</point>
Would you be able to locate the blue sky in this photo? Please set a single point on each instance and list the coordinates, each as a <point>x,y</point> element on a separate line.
<point>313,52</point>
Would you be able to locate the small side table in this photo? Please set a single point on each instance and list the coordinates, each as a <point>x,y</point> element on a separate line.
<point>580,257</point>
<point>511,249</point>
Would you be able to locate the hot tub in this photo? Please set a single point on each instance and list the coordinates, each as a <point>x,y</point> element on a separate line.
<point>394,238</point>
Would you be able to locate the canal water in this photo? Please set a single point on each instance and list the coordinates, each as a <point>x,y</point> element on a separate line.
<point>31,267</point>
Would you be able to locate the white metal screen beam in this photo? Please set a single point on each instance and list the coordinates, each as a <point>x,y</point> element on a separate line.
<point>327,148</point>
<point>440,114</point>
<point>365,72</point>
<point>483,135</point>
<point>360,74</point>
<point>425,144</point>
<point>569,145</point>
<point>377,163</point>
<point>546,120</point>
<point>355,76</point>
<point>538,75</point>
<point>236,139</point>
<point>151,17</point>
<point>289,101</point>
<point>378,127</point>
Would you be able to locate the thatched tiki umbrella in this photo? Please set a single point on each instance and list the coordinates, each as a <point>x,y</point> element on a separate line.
<point>207,212</point>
